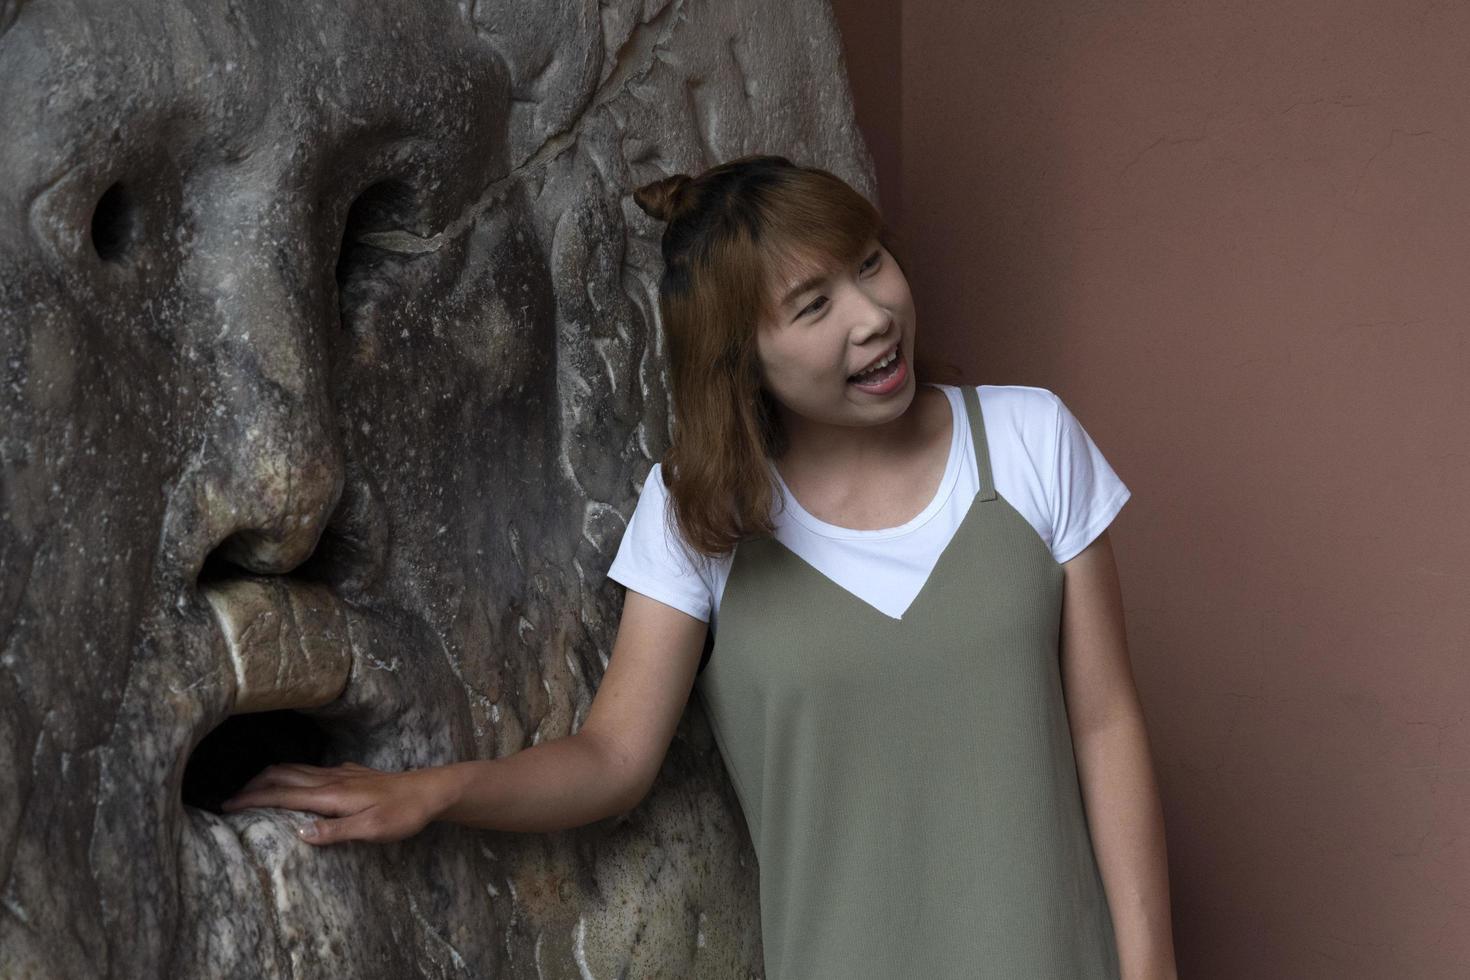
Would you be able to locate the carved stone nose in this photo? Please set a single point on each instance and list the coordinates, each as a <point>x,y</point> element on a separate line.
<point>278,504</point>
<point>274,467</point>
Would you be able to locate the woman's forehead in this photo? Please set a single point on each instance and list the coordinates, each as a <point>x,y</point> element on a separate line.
<point>793,266</point>
<point>790,265</point>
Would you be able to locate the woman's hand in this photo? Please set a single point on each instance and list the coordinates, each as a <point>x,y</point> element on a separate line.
<point>366,804</point>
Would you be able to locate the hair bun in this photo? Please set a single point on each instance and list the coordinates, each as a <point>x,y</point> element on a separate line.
<point>664,198</point>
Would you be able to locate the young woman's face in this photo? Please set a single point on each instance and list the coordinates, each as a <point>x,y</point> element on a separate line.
<point>829,329</point>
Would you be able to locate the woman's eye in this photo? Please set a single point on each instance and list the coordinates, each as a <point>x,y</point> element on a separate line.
<point>812,307</point>
<point>872,260</point>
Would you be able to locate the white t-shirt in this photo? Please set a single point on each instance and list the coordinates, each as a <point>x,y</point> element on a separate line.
<point>1042,460</point>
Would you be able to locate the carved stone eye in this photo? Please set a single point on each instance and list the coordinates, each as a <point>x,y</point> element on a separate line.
<point>115,224</point>
<point>369,271</point>
<point>385,206</point>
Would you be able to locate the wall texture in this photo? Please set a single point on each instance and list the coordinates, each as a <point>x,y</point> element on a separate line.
<point>1233,237</point>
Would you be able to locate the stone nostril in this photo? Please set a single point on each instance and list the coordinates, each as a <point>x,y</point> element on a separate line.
<point>114,224</point>
<point>347,554</point>
<point>353,547</point>
<point>278,525</point>
<point>264,554</point>
<point>217,568</point>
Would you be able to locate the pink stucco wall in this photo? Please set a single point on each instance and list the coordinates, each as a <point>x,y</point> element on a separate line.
<point>1235,238</point>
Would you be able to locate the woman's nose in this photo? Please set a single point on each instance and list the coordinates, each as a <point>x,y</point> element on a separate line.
<point>870,318</point>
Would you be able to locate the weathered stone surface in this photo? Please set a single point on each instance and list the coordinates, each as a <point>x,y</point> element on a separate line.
<point>352,295</point>
<point>287,641</point>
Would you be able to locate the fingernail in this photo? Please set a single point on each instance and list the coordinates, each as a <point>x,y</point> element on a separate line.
<point>307,830</point>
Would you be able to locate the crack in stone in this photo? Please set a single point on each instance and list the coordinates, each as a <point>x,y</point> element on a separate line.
<point>16,910</point>
<point>742,73</point>
<point>454,954</point>
<point>698,117</point>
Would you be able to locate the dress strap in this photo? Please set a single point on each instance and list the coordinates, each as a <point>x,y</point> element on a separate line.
<point>977,435</point>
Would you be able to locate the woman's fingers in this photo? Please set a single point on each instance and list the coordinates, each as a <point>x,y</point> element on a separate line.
<point>268,781</point>
<point>351,803</point>
<point>363,825</point>
<point>326,799</point>
<point>297,774</point>
<point>281,776</point>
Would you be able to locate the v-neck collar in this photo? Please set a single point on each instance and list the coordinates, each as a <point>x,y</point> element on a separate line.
<point>946,557</point>
<point>974,424</point>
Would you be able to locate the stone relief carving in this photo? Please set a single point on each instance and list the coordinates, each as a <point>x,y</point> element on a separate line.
<point>331,373</point>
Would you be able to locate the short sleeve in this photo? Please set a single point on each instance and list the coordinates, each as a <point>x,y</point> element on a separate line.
<point>653,558</point>
<point>1085,493</point>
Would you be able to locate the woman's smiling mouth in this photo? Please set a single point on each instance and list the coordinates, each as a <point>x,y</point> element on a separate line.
<point>885,376</point>
<point>880,363</point>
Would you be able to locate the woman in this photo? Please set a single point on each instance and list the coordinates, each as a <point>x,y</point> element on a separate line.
<point>920,686</point>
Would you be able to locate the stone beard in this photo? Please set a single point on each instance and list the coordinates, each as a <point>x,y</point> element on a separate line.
<point>330,376</point>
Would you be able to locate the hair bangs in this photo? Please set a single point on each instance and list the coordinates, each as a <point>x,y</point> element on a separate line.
<point>811,226</point>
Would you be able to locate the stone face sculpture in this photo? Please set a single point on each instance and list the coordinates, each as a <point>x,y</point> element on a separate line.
<point>331,373</point>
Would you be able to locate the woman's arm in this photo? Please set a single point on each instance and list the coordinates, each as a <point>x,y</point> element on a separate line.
<point>603,769</point>
<point>610,764</point>
<point>1114,767</point>
<point>562,783</point>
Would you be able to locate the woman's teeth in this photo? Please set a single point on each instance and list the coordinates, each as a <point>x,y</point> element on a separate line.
<point>876,367</point>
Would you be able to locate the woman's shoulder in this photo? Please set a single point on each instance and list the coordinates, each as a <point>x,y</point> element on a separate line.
<point>655,479</point>
<point>653,508</point>
<point>656,501</point>
<point>1022,409</point>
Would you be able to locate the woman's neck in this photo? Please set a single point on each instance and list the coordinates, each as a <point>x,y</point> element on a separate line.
<point>876,482</point>
<point>836,449</point>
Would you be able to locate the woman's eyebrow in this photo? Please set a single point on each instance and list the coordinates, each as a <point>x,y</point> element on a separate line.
<point>808,283</point>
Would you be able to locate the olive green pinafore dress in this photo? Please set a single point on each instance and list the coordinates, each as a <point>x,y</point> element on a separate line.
<point>909,784</point>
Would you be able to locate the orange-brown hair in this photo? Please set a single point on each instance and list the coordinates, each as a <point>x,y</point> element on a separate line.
<point>734,234</point>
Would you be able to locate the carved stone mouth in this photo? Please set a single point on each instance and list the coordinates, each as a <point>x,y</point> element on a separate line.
<point>287,640</point>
